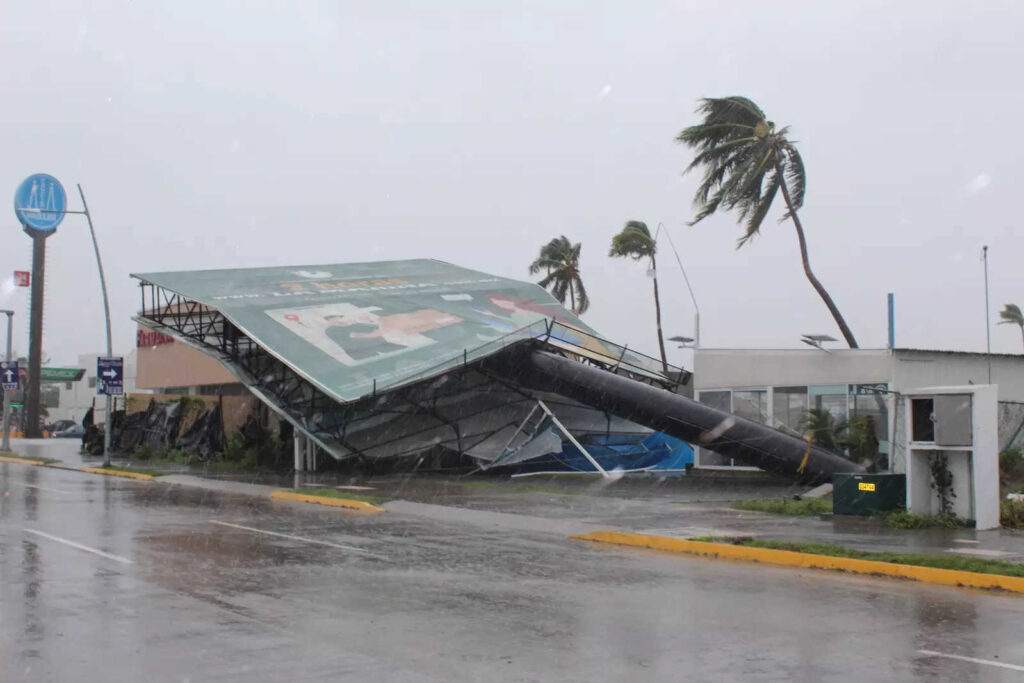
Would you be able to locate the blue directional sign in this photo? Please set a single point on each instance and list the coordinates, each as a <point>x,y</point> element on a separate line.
<point>110,375</point>
<point>9,378</point>
<point>40,202</point>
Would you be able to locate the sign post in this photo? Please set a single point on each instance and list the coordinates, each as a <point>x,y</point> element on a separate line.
<point>40,204</point>
<point>10,380</point>
<point>110,376</point>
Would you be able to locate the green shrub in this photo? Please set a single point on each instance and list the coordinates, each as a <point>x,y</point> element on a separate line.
<point>143,452</point>
<point>1010,461</point>
<point>1011,514</point>
<point>901,519</point>
<point>788,506</point>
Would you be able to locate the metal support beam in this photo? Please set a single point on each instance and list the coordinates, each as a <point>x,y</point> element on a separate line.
<point>572,439</point>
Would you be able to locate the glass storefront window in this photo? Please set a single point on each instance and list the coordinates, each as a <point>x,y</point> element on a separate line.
<point>868,403</point>
<point>751,404</point>
<point>789,406</point>
<point>831,398</point>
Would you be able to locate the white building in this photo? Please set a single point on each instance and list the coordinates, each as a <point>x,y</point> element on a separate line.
<point>75,398</point>
<point>778,387</point>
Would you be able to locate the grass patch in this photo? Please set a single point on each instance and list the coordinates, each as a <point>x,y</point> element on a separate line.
<point>978,565</point>
<point>806,507</point>
<point>334,493</point>
<point>133,470</point>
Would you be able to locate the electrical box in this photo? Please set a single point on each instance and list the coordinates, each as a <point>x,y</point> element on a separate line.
<point>953,453</point>
<point>866,494</point>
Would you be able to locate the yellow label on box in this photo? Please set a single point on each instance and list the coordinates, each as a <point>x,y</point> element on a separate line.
<point>864,486</point>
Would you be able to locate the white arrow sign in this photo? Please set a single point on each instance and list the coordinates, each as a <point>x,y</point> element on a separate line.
<point>9,374</point>
<point>110,373</point>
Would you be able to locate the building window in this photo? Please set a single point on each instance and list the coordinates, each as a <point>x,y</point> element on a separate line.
<point>751,404</point>
<point>868,408</point>
<point>830,398</point>
<point>789,407</point>
<point>67,386</point>
<point>92,382</point>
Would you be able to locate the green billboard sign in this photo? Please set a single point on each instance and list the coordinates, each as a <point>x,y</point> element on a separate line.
<point>353,329</point>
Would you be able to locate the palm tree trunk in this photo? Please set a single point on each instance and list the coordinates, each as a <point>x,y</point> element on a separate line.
<point>657,317</point>
<point>818,287</point>
<point>572,297</point>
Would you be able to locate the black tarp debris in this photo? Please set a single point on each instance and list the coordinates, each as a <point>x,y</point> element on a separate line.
<point>205,437</point>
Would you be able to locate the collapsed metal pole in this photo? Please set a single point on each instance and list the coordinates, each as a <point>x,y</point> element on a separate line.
<point>730,435</point>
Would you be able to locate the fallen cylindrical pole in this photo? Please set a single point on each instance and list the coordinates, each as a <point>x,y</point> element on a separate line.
<point>719,431</point>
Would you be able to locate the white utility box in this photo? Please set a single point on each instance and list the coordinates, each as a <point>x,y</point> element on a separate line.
<point>960,424</point>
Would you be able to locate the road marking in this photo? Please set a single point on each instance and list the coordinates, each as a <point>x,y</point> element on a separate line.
<point>79,546</point>
<point>973,660</point>
<point>43,488</point>
<point>298,538</point>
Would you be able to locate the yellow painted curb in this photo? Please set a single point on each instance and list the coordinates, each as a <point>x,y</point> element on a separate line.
<point>20,461</point>
<point>325,500</point>
<point>789,558</point>
<point>118,473</point>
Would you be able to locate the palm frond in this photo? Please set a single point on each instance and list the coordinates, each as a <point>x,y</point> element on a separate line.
<point>1011,314</point>
<point>635,242</point>
<point>582,299</point>
<point>796,177</point>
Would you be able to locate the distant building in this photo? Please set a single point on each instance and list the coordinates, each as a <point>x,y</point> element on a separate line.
<point>778,386</point>
<point>72,400</point>
<point>167,366</point>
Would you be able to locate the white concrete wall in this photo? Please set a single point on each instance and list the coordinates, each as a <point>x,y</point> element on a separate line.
<point>722,368</point>
<point>915,369</point>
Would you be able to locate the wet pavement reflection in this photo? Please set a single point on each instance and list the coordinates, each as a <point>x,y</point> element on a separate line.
<point>215,585</point>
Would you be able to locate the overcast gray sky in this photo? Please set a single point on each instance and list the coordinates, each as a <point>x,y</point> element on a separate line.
<point>211,134</point>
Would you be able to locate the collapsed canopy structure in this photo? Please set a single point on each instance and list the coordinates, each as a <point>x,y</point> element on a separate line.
<point>390,359</point>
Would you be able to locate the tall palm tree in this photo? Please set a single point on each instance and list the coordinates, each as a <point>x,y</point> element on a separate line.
<point>560,259</point>
<point>1011,315</point>
<point>746,161</point>
<point>635,242</point>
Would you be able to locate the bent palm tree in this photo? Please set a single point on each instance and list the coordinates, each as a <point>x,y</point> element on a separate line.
<point>1011,315</point>
<point>746,161</point>
<point>635,242</point>
<point>560,259</point>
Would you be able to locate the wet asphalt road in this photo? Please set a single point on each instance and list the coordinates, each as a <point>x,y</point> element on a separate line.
<point>104,579</point>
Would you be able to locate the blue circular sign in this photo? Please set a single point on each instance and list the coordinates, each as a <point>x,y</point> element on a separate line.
<point>40,202</point>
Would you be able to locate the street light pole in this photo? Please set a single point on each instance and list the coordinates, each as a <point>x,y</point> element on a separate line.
<point>988,325</point>
<point>686,279</point>
<point>7,394</point>
<point>108,421</point>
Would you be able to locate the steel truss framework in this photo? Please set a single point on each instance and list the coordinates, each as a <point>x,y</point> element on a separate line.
<point>331,423</point>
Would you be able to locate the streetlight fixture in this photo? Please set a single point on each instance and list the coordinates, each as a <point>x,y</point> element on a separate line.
<point>684,342</point>
<point>7,395</point>
<point>816,340</point>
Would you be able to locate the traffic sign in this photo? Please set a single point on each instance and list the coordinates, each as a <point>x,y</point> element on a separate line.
<point>61,374</point>
<point>40,202</point>
<point>22,278</point>
<point>110,371</point>
<point>9,375</point>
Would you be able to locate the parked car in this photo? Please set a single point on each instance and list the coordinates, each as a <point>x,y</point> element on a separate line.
<point>75,431</point>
